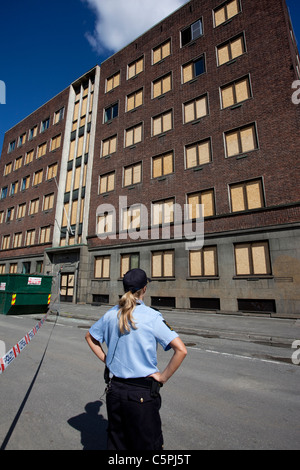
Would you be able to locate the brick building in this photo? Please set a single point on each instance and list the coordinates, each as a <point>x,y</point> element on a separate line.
<point>197,110</point>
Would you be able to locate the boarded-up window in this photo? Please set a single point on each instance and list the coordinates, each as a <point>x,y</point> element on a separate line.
<point>105,223</point>
<point>18,163</point>
<point>34,206</point>
<point>45,235</point>
<point>252,259</point>
<point>241,140</point>
<point>52,171</point>
<point>198,153</point>
<point>203,262</point>
<point>195,109</point>
<point>107,183</point>
<point>131,218</point>
<point>206,199</point>
<point>38,177</point>
<point>163,263</point>
<point>42,150</point>
<point>162,85</point>
<point>134,100</point>
<point>29,157</point>
<point>246,196</point>
<point>193,69</point>
<point>133,135</point>
<point>226,11</point>
<point>30,237</point>
<point>129,261</point>
<point>133,174</point>
<point>109,146</point>
<point>113,82</point>
<point>102,267</point>
<point>162,123</point>
<point>163,212</point>
<point>55,143</point>
<point>162,51</point>
<point>48,202</point>
<point>236,92</point>
<point>231,49</point>
<point>135,67</point>
<point>162,165</point>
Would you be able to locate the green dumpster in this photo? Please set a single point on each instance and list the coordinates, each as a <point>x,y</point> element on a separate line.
<point>24,293</point>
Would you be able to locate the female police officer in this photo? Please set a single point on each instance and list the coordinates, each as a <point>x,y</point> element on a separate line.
<point>131,332</point>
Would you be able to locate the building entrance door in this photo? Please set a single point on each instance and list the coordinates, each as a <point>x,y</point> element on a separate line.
<point>67,287</point>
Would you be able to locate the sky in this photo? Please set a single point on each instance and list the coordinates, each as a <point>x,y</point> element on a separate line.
<point>46,45</point>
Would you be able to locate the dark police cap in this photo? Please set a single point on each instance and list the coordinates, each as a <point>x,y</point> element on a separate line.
<point>134,280</point>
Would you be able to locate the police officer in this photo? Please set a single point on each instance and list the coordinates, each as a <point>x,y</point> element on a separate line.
<point>131,331</point>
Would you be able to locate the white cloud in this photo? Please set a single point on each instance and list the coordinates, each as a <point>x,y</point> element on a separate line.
<point>118,22</point>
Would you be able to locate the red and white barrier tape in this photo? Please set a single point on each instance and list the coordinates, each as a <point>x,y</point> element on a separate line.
<point>11,355</point>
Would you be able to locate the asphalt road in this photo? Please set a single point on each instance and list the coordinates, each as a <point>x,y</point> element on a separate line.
<point>228,394</point>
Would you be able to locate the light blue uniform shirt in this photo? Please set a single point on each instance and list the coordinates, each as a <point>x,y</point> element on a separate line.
<point>133,354</point>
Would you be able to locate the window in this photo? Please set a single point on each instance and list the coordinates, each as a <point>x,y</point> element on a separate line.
<point>191,33</point>
<point>4,192</point>
<point>29,157</point>
<point>252,259</point>
<point>107,183</point>
<point>25,183</point>
<point>17,242</point>
<point>206,198</point>
<point>21,211</point>
<point>2,268</point>
<point>230,50</point>
<point>133,135</point>
<point>26,266</point>
<point>246,196</point>
<point>45,234</point>
<point>198,153</point>
<point>203,263</point>
<point>34,206</point>
<point>195,109</point>
<point>111,112</point>
<point>45,124</point>
<point>48,202</point>
<point>241,140</point>
<point>193,69</point>
<point>129,261</point>
<point>112,82</point>
<point>22,140</point>
<point>162,51</point>
<point>162,85</point>
<point>1,217</point>
<point>109,146</point>
<point>134,100</point>
<point>59,115</point>
<point>162,264</point>
<point>102,267</point>
<point>105,223</point>
<point>30,237</point>
<point>14,188</point>
<point>131,218</point>
<point>226,11</point>
<point>13,268</point>
<point>163,212</point>
<point>7,169</point>
<point>55,142</point>
<point>42,149</point>
<point>5,242</point>
<point>162,123</point>
<point>52,171</point>
<point>133,174</point>
<point>135,68</point>
<point>11,146</point>
<point>32,133</point>
<point>10,214</point>
<point>37,177</point>
<point>235,92</point>
<point>18,163</point>
<point>162,165</point>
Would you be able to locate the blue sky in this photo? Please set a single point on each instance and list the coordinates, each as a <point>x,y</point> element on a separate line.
<point>46,45</point>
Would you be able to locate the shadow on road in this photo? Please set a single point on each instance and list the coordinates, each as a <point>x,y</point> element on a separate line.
<point>92,427</point>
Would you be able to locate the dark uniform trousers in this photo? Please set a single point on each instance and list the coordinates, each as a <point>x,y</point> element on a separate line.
<point>133,418</point>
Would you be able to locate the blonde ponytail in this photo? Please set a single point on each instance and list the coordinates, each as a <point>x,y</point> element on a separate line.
<point>127,304</point>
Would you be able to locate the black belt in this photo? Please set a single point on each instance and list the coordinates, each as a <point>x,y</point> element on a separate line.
<point>144,382</point>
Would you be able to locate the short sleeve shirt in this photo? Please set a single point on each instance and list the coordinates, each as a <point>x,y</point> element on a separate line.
<point>133,354</point>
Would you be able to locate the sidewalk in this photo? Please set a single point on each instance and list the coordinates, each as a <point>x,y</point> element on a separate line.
<point>275,331</point>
